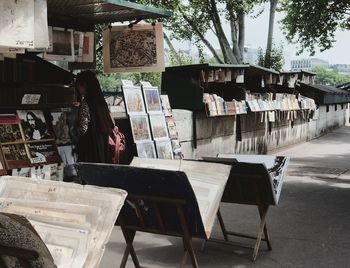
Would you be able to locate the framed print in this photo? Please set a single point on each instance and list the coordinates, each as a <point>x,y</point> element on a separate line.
<point>34,125</point>
<point>146,149</point>
<point>166,105</point>
<point>140,128</point>
<point>159,127</point>
<point>62,44</point>
<point>164,149</point>
<point>152,99</point>
<point>43,152</point>
<point>139,48</point>
<point>134,100</point>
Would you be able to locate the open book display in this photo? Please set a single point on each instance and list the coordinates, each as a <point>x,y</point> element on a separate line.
<point>267,171</point>
<point>163,195</point>
<point>74,221</point>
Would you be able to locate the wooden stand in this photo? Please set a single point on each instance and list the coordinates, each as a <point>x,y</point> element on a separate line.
<point>129,231</point>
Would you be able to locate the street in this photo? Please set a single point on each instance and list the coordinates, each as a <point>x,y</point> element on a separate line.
<point>309,228</point>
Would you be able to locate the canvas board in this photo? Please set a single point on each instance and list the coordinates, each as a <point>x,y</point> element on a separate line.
<point>62,44</point>
<point>136,49</point>
<point>146,149</point>
<point>140,128</point>
<point>159,127</point>
<point>134,100</point>
<point>152,99</point>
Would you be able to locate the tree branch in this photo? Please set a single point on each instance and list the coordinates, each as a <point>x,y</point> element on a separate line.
<point>172,49</point>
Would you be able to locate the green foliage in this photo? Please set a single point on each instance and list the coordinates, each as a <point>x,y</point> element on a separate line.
<point>314,22</point>
<point>276,58</point>
<point>327,77</point>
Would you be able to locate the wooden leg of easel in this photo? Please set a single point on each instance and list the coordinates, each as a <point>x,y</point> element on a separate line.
<point>222,225</point>
<point>187,239</point>
<point>260,233</point>
<point>267,237</point>
<point>129,236</point>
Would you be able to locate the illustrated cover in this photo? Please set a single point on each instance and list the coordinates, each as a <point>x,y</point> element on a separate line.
<point>43,152</point>
<point>159,127</point>
<point>146,149</point>
<point>34,125</point>
<point>164,149</point>
<point>152,99</point>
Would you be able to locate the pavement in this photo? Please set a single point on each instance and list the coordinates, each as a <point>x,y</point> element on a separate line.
<point>310,227</point>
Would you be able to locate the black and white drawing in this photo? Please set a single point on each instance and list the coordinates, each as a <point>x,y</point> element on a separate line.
<point>34,125</point>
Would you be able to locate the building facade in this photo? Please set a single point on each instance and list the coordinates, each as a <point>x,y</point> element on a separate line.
<point>308,64</point>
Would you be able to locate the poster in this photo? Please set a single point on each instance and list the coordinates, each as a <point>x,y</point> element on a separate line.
<point>41,29</point>
<point>34,125</point>
<point>17,23</point>
<point>136,49</point>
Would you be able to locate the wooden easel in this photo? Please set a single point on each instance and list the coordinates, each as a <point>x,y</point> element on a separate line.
<point>129,231</point>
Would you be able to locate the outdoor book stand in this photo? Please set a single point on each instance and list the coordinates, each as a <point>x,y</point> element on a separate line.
<point>158,201</point>
<point>249,184</point>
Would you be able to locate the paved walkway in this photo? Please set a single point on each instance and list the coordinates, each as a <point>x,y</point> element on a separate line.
<point>309,228</point>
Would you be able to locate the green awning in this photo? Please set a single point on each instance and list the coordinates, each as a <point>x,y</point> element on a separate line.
<point>102,11</point>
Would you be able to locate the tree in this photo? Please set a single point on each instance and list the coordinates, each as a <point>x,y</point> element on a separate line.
<point>267,61</point>
<point>276,58</point>
<point>314,22</point>
<point>193,19</point>
<point>327,77</point>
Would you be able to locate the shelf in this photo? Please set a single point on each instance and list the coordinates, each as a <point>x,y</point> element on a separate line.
<point>37,106</point>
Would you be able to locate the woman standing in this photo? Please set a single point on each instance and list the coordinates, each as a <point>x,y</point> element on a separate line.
<point>95,122</point>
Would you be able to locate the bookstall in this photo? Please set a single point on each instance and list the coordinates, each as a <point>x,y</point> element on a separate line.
<point>38,102</point>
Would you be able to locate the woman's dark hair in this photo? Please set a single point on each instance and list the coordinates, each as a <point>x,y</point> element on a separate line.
<point>95,99</point>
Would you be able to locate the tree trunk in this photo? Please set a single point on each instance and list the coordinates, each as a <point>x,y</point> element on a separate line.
<point>235,47</point>
<point>202,38</point>
<point>273,5</point>
<point>172,49</point>
<point>224,44</point>
<point>241,31</point>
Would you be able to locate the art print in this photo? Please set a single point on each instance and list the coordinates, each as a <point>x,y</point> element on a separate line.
<point>164,149</point>
<point>34,125</point>
<point>134,100</point>
<point>140,128</point>
<point>62,44</point>
<point>159,127</point>
<point>152,99</point>
<point>136,49</point>
<point>146,150</point>
<point>61,128</point>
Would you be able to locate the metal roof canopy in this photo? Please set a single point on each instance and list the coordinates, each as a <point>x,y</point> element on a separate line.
<point>86,13</point>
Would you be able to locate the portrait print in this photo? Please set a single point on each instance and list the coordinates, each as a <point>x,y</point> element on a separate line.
<point>34,125</point>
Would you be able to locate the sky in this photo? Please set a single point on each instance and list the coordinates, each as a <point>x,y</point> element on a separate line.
<point>256,34</point>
